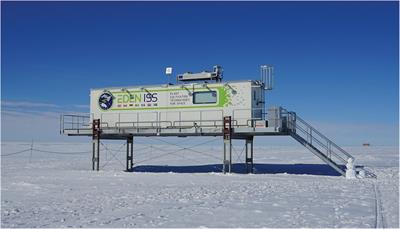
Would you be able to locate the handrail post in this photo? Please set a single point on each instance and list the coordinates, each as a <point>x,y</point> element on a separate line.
<point>233,114</point>
<point>61,125</point>
<point>137,121</point>
<point>157,118</point>
<point>201,115</point>
<point>180,121</point>
<point>119,122</point>
<point>329,150</point>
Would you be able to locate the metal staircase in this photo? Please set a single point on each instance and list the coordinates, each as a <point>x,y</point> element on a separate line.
<point>318,143</point>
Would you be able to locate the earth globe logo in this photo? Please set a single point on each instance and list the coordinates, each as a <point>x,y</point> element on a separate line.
<point>105,100</point>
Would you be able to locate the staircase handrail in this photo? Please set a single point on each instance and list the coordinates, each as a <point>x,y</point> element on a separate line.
<point>324,137</point>
<point>292,118</point>
<point>325,146</point>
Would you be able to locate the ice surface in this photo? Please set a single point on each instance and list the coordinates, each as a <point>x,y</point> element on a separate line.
<point>291,188</point>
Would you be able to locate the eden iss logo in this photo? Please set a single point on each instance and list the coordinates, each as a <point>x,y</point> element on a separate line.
<point>105,100</point>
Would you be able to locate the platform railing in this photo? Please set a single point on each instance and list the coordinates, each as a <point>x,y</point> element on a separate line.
<point>75,122</point>
<point>257,114</point>
<point>163,119</point>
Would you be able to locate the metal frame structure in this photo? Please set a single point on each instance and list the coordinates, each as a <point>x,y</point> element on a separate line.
<point>280,122</point>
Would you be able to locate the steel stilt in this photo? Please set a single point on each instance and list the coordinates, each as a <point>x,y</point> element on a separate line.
<point>227,163</point>
<point>129,153</point>
<point>249,154</point>
<point>96,131</point>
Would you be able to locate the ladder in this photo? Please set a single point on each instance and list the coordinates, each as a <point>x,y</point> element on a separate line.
<point>318,144</point>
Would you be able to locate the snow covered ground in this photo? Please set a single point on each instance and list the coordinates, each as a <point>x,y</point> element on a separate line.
<point>175,187</point>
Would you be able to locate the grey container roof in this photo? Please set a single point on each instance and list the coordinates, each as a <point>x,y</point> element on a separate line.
<point>164,85</point>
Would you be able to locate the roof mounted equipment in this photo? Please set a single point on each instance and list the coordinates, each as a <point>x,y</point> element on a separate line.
<point>216,75</point>
<point>267,76</point>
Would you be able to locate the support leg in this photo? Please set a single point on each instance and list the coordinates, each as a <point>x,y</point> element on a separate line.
<point>227,166</point>
<point>96,154</point>
<point>132,153</point>
<point>249,154</point>
<point>96,131</point>
<point>129,154</point>
<point>227,163</point>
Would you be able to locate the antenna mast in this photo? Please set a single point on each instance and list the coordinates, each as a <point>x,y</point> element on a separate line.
<point>267,76</point>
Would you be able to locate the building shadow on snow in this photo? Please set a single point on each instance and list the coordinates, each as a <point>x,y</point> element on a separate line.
<point>307,169</point>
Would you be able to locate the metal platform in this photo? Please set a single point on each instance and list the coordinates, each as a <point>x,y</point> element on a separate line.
<point>142,126</point>
<point>276,122</point>
<point>123,132</point>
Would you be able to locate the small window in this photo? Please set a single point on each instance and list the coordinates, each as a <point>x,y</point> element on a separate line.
<point>202,97</point>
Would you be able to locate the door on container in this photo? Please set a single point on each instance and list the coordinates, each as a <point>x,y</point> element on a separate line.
<point>257,102</point>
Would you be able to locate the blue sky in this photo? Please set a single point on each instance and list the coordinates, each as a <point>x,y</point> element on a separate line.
<point>336,63</point>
